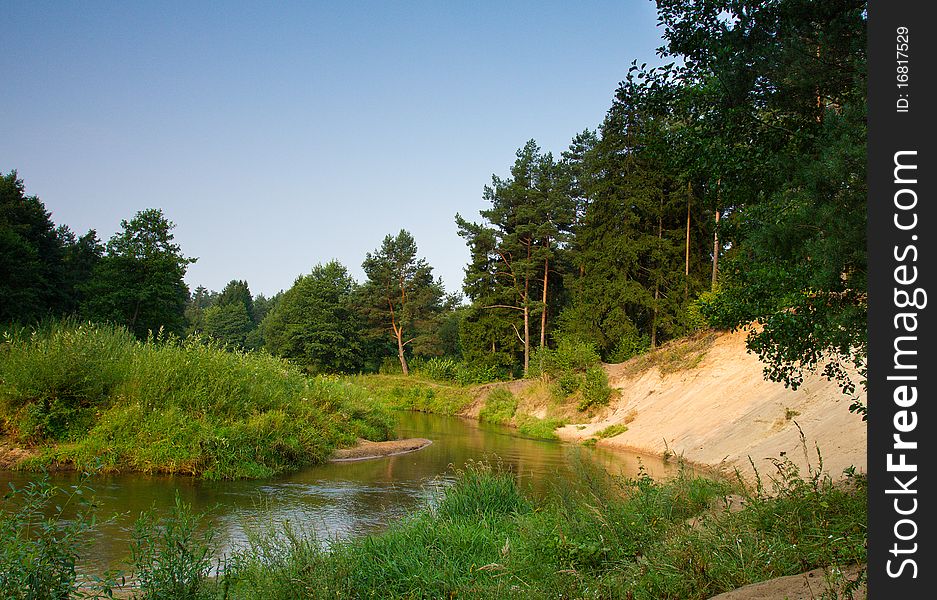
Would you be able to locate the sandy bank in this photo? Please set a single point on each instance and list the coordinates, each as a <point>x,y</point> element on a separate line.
<point>366,449</point>
<point>721,411</point>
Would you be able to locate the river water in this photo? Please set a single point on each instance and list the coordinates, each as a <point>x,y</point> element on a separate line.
<point>335,500</point>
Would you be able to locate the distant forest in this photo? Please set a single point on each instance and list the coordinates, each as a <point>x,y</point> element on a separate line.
<point>724,188</point>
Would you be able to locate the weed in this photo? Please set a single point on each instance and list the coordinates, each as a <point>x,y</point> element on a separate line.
<point>91,394</point>
<point>43,529</point>
<point>500,406</point>
<point>171,559</point>
<point>542,429</point>
<point>612,431</point>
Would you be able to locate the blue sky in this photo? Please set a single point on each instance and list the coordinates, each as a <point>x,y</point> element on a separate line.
<point>280,137</point>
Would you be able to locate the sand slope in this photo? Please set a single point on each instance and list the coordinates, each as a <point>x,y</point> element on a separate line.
<point>722,411</point>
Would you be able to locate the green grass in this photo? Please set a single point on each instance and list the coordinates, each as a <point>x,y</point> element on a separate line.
<point>542,429</point>
<point>413,393</point>
<point>595,536</point>
<point>678,355</point>
<point>89,395</point>
<point>612,431</point>
<point>500,406</point>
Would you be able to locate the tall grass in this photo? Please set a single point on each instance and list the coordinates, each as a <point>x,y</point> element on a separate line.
<point>92,395</point>
<point>596,536</point>
<point>499,408</point>
<point>412,393</point>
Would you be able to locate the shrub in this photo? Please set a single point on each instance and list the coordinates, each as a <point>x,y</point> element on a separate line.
<point>170,558</point>
<point>569,356</point>
<point>595,389</point>
<point>612,431</point>
<point>39,546</point>
<point>500,406</point>
<point>52,377</point>
<point>541,429</point>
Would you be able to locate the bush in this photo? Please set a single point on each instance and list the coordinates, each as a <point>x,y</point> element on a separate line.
<point>500,406</point>
<point>170,558</point>
<point>569,356</point>
<point>52,378</point>
<point>39,545</point>
<point>595,389</point>
<point>541,429</point>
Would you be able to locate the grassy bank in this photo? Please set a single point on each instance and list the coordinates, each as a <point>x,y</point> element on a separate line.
<point>414,393</point>
<point>88,395</point>
<point>595,536</point>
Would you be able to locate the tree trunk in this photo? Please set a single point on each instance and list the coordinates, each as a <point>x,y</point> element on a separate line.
<point>526,339</point>
<point>716,252</point>
<point>403,359</point>
<point>686,283</point>
<point>716,234</point>
<point>660,236</point>
<point>543,317</point>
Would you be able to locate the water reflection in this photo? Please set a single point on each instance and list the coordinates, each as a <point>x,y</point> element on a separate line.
<point>340,499</point>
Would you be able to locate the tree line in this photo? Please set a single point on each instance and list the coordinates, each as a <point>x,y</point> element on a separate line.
<point>724,188</point>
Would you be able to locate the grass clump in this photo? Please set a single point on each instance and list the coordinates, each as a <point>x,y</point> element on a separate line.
<point>171,557</point>
<point>173,406</point>
<point>500,406</point>
<point>541,429</point>
<point>612,431</point>
<point>595,536</point>
<point>674,356</point>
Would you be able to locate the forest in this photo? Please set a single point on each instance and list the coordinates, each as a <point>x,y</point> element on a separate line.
<point>724,188</point>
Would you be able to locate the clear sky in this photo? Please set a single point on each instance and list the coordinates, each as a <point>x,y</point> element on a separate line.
<point>277,137</point>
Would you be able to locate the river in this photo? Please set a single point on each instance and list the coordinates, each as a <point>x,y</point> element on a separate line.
<point>335,500</point>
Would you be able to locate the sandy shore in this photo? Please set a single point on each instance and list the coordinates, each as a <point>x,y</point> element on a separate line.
<point>366,449</point>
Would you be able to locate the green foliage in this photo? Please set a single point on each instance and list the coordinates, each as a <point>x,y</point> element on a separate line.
<point>500,406</point>
<point>481,492</point>
<point>531,214</point>
<point>594,536</point>
<point>595,389</point>
<point>612,431</point>
<point>43,529</point>
<point>782,93</point>
<point>227,324</point>
<point>174,406</point>
<point>440,369</point>
<point>449,370</point>
<point>42,266</point>
<point>52,379</point>
<point>569,357</point>
<point>171,558</point>
<point>411,393</point>
<point>541,429</point>
<point>139,282</point>
<point>315,324</point>
<point>575,367</point>
<point>402,297</point>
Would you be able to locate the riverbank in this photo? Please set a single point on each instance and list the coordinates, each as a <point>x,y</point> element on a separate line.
<point>596,536</point>
<point>702,400</point>
<point>91,397</point>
